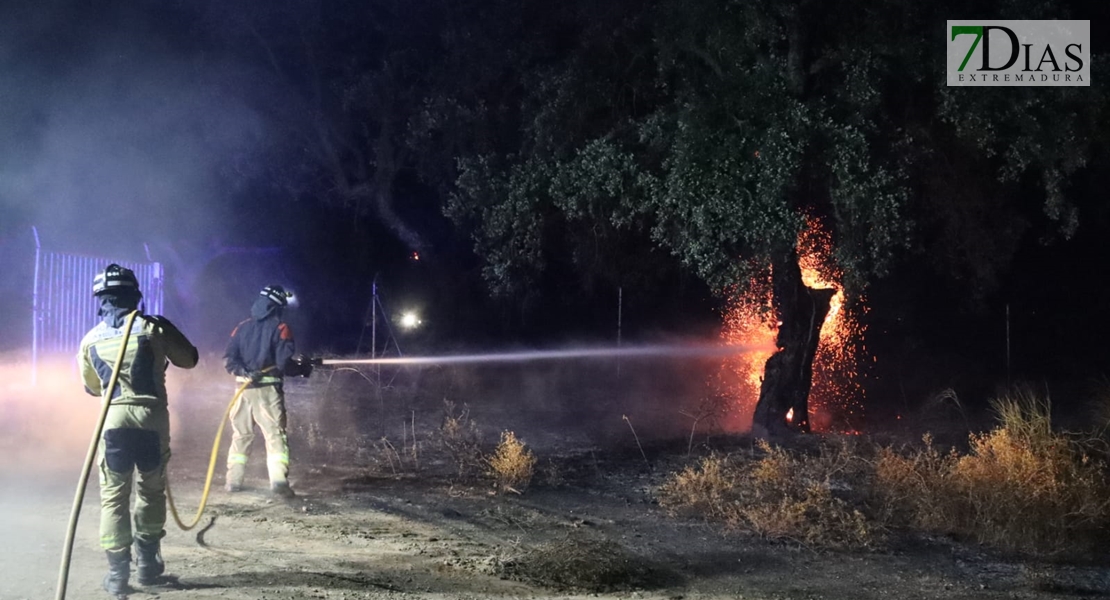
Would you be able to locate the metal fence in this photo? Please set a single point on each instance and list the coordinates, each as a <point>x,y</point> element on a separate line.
<point>64,308</point>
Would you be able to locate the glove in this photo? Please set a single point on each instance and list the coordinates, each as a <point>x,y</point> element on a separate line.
<point>255,376</point>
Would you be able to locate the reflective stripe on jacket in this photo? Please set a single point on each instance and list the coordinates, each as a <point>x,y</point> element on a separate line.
<point>142,377</point>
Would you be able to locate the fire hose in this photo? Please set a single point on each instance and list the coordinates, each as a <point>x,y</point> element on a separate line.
<point>75,512</point>
<point>212,459</point>
<point>90,456</point>
<point>211,464</point>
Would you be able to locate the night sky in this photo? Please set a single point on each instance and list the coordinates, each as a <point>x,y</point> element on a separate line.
<point>195,128</point>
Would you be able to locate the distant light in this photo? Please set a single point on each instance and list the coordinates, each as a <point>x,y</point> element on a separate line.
<point>409,320</point>
<point>416,256</point>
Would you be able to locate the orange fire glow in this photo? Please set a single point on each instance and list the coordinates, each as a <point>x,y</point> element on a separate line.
<point>836,395</point>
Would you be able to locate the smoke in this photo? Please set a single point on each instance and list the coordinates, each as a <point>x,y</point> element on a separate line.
<point>124,132</point>
<point>121,139</point>
<point>45,432</point>
<point>45,428</point>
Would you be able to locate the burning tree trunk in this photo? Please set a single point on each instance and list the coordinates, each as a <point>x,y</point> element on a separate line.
<point>800,311</point>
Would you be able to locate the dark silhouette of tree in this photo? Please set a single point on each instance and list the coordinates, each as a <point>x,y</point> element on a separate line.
<point>340,83</point>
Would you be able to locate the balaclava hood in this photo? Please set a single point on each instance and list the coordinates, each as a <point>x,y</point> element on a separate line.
<point>264,308</point>
<point>114,308</point>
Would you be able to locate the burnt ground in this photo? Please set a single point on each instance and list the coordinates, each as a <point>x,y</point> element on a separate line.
<point>395,520</point>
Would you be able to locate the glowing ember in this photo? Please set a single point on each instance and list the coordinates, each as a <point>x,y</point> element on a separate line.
<point>835,398</point>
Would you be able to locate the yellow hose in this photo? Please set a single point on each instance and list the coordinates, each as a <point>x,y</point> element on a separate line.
<point>90,456</point>
<point>211,467</point>
<point>67,553</point>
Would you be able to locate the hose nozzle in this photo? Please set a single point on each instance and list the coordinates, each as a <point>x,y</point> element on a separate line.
<point>302,366</point>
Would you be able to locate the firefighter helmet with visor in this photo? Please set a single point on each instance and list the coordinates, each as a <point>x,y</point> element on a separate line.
<point>115,279</point>
<point>276,294</point>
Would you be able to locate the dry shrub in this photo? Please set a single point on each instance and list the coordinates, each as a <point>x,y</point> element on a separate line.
<point>460,438</point>
<point>709,490</point>
<point>912,487</point>
<point>1029,488</point>
<point>1022,487</point>
<point>512,464</point>
<point>386,454</point>
<point>781,495</point>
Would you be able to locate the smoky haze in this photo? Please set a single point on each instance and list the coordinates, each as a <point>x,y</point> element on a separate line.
<point>119,134</point>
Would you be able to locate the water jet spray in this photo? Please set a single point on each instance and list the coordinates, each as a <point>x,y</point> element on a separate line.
<point>656,351</point>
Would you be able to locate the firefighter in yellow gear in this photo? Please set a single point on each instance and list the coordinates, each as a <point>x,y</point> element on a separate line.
<point>261,352</point>
<point>136,435</point>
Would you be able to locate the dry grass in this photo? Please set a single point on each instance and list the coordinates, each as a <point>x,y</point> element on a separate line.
<point>386,455</point>
<point>709,489</point>
<point>780,495</point>
<point>512,464</point>
<point>911,488</point>
<point>460,437</point>
<point>1022,486</point>
<point>388,458</point>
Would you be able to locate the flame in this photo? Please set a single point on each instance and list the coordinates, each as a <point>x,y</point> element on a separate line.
<point>836,395</point>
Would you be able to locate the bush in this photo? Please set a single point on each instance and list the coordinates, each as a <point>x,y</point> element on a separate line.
<point>1022,487</point>
<point>710,490</point>
<point>913,488</point>
<point>512,464</point>
<point>779,496</point>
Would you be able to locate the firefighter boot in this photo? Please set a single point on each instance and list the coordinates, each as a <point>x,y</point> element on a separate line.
<point>119,570</point>
<point>282,489</point>
<point>149,564</point>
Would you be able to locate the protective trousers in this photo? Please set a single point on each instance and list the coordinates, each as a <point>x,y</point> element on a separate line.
<point>136,438</point>
<point>264,405</point>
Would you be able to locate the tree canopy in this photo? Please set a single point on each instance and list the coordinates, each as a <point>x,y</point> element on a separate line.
<point>715,128</point>
<point>588,146</point>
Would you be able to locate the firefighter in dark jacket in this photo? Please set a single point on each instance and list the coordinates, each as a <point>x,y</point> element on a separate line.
<point>261,352</point>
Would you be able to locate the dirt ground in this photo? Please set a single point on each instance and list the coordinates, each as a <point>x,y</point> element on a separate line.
<point>392,518</point>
